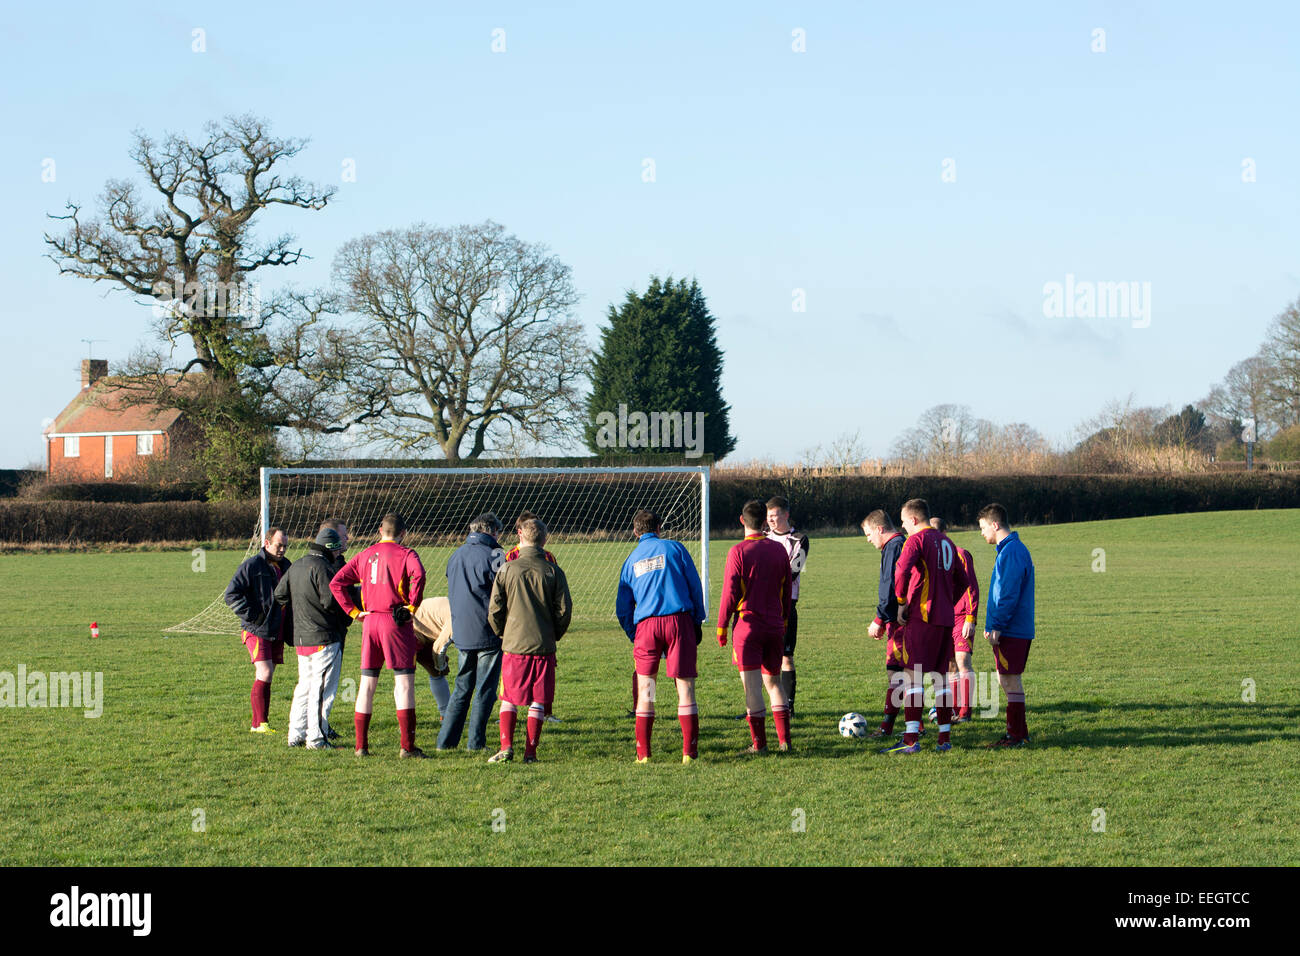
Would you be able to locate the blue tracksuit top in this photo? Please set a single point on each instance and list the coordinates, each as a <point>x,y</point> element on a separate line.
<point>658,578</point>
<point>1009,607</point>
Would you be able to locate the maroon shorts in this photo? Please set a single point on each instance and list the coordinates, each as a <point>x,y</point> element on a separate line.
<point>383,641</point>
<point>670,635</point>
<point>263,649</point>
<point>959,644</point>
<point>527,678</point>
<point>753,647</point>
<point>893,647</point>
<point>927,646</point>
<point>1011,654</point>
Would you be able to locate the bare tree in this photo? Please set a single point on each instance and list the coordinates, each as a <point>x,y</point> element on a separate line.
<point>469,331</point>
<point>845,454</point>
<point>1119,439</point>
<point>1282,349</point>
<point>1016,448</point>
<point>186,244</point>
<point>1128,423</point>
<point>941,437</point>
<point>1243,394</point>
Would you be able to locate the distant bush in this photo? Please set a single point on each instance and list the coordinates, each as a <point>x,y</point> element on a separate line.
<point>119,491</point>
<point>817,502</point>
<point>843,501</point>
<point>13,480</point>
<point>1230,450</point>
<point>1284,446</point>
<point>73,522</point>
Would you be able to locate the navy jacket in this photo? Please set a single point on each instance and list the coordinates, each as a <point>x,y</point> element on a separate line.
<point>887,606</point>
<point>470,573</point>
<point>251,595</point>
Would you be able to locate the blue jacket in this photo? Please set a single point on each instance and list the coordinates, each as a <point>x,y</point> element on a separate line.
<point>470,573</point>
<point>251,595</point>
<point>1010,604</point>
<point>658,578</point>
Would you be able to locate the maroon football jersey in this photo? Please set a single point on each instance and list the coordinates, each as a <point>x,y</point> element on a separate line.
<point>513,553</point>
<point>389,574</point>
<point>968,605</point>
<point>929,578</point>
<point>756,584</point>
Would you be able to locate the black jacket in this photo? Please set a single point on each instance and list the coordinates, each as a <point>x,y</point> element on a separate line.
<point>305,588</point>
<point>251,595</point>
<point>887,608</point>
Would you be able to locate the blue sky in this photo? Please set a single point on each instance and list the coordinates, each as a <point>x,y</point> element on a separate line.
<point>775,171</point>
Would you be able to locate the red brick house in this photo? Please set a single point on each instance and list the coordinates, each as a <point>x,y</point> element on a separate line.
<point>101,437</point>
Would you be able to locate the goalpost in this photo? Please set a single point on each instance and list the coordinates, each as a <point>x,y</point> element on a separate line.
<point>588,512</point>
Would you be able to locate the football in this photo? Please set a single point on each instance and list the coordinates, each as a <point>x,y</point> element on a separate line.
<point>853,725</point>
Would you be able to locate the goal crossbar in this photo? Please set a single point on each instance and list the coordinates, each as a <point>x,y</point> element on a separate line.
<point>587,516</point>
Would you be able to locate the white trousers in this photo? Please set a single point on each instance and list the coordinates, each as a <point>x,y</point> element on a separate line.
<point>318,682</point>
<point>331,687</point>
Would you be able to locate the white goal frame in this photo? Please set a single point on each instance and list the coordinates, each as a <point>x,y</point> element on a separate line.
<point>266,474</point>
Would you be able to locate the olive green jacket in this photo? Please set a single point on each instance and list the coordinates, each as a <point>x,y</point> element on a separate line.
<point>530,608</point>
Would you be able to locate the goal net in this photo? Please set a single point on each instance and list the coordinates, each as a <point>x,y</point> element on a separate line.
<point>588,512</point>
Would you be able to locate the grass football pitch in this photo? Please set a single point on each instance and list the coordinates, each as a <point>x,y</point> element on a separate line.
<point>1162,700</point>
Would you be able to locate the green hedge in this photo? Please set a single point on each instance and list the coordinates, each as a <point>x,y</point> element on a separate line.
<point>123,491</point>
<point>74,522</point>
<point>816,502</point>
<point>843,501</point>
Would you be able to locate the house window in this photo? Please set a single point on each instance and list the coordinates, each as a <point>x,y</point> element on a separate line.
<point>72,446</point>
<point>108,456</point>
<point>144,444</point>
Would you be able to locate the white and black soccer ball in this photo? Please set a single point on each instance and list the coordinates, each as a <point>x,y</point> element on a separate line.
<point>853,725</point>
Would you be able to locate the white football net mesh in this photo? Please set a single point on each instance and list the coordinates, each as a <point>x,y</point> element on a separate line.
<point>587,511</point>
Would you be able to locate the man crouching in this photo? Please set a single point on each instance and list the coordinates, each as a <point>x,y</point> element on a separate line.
<point>530,610</point>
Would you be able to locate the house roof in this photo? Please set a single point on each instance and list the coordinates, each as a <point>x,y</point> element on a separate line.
<point>104,407</point>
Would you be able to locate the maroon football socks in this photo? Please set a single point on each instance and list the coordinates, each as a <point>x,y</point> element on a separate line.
<point>944,717</point>
<point>757,728</point>
<point>260,698</point>
<point>645,725</point>
<point>1016,726</point>
<point>406,724</point>
<point>689,718</point>
<point>781,718</point>
<point>536,718</point>
<point>508,719</point>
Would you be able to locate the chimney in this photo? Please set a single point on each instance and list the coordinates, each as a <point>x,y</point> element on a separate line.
<point>92,370</point>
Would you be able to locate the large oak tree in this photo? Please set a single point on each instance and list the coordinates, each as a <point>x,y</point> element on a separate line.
<point>239,361</point>
<point>467,333</point>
